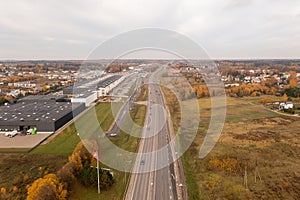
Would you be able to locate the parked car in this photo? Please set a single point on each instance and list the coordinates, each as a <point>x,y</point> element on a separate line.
<point>12,134</point>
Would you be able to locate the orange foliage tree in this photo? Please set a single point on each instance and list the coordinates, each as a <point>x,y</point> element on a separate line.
<point>284,97</point>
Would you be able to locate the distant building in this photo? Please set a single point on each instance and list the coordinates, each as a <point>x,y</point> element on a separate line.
<point>90,90</point>
<point>232,85</point>
<point>286,105</point>
<point>24,84</point>
<point>256,80</point>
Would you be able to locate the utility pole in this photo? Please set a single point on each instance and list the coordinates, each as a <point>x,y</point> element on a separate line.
<point>96,156</point>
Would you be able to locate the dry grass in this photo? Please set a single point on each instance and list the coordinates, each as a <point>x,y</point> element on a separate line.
<point>253,137</point>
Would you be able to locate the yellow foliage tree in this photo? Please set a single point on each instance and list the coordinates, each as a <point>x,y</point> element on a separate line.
<point>47,187</point>
<point>80,155</point>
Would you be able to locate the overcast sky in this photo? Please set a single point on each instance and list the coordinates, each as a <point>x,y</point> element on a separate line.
<point>70,29</point>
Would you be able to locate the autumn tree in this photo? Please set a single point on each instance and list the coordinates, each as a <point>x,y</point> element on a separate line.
<point>67,174</point>
<point>251,90</point>
<point>80,156</point>
<point>293,80</point>
<point>45,88</point>
<point>266,100</point>
<point>284,98</point>
<point>47,188</point>
<point>201,91</point>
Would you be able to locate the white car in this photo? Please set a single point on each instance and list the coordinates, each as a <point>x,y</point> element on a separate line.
<point>11,134</point>
<point>29,131</point>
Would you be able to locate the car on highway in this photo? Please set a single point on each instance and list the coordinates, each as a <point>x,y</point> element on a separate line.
<point>111,134</point>
<point>142,162</point>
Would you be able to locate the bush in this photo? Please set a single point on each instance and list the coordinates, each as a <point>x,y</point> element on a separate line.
<point>290,111</point>
<point>88,177</point>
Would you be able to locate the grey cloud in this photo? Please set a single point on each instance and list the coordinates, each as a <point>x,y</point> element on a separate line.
<point>226,28</point>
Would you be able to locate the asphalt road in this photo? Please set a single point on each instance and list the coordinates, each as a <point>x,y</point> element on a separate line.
<point>146,182</point>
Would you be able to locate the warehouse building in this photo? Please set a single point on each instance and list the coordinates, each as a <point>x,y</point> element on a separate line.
<point>45,112</point>
<point>105,86</point>
<point>89,91</point>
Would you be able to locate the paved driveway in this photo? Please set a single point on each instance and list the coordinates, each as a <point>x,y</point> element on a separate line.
<point>26,141</point>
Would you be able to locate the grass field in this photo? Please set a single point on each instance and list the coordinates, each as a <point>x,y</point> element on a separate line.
<point>19,170</point>
<point>254,140</point>
<point>14,150</point>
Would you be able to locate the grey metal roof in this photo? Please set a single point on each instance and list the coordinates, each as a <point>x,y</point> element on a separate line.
<point>35,110</point>
<point>86,88</point>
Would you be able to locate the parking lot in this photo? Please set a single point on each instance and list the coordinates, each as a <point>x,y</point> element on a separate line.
<point>22,141</point>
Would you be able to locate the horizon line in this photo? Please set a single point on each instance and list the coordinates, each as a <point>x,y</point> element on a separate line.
<point>166,59</point>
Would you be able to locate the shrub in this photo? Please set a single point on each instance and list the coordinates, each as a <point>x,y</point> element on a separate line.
<point>88,177</point>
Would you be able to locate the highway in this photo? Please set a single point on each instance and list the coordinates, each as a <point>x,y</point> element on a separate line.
<point>153,177</point>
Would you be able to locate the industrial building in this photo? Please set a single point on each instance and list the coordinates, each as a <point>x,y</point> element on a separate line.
<point>45,112</point>
<point>89,91</point>
<point>105,86</point>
